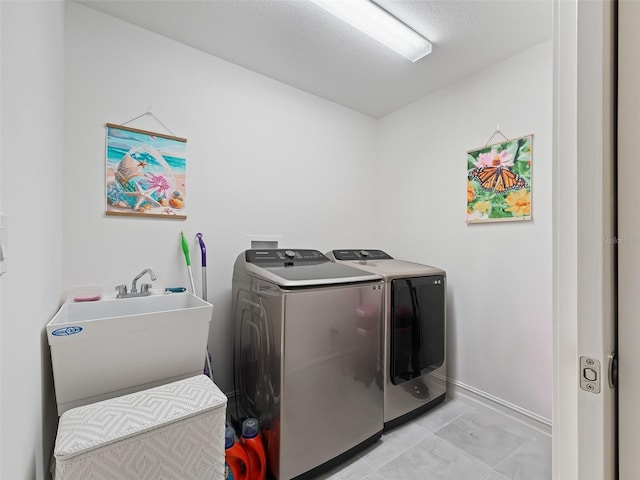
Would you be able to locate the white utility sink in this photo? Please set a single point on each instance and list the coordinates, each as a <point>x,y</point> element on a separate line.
<point>112,347</point>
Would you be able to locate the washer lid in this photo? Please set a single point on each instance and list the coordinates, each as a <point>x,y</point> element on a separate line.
<point>301,268</point>
<point>380,263</point>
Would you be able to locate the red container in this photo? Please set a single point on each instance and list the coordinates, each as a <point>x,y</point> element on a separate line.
<point>236,462</point>
<point>252,443</point>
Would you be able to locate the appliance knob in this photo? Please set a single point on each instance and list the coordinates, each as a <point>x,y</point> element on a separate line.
<point>290,254</point>
<point>364,253</point>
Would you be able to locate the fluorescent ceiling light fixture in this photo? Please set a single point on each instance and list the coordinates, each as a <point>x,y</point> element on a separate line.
<point>380,25</point>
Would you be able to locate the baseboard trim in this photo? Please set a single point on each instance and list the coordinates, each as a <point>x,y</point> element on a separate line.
<point>457,389</point>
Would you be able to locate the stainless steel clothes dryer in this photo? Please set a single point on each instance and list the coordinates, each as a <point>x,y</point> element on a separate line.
<point>306,356</point>
<point>414,372</point>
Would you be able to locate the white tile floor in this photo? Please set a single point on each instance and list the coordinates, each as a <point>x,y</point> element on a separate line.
<point>455,441</point>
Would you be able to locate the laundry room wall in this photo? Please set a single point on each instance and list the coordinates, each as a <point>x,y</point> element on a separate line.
<point>265,158</point>
<point>262,158</point>
<point>31,152</point>
<point>499,274</point>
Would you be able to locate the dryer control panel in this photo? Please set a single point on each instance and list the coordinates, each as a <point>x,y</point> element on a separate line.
<point>361,255</point>
<point>273,257</point>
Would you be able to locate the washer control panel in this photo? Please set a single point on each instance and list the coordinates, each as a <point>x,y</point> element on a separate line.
<point>361,255</point>
<point>285,257</point>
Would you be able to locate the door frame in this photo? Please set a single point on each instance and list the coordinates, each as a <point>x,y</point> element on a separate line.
<point>584,236</point>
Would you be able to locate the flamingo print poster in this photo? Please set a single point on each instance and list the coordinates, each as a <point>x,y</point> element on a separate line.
<point>145,173</point>
<point>499,181</point>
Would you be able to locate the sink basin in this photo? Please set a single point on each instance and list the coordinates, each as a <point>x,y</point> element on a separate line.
<point>112,347</point>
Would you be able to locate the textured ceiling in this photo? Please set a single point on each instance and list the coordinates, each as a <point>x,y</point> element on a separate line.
<point>298,43</point>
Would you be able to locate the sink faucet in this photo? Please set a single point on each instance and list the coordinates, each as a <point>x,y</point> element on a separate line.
<point>134,290</point>
<point>144,288</point>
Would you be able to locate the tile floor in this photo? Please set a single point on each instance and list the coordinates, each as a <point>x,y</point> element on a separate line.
<point>455,441</point>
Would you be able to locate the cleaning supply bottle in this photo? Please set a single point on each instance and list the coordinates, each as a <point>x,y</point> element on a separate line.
<point>236,462</point>
<point>252,443</point>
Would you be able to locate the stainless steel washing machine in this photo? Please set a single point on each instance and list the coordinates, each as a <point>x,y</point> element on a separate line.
<point>307,352</point>
<point>414,372</point>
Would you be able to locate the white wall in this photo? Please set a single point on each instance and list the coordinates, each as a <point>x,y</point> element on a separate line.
<point>263,158</point>
<point>499,275</point>
<point>252,142</point>
<point>32,59</point>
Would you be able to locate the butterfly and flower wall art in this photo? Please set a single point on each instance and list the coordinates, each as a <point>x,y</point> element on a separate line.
<point>499,181</point>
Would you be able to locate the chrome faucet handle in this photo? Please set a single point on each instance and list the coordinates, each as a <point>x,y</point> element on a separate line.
<point>145,287</point>
<point>122,290</point>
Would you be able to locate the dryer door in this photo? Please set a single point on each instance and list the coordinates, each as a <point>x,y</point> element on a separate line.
<point>417,326</point>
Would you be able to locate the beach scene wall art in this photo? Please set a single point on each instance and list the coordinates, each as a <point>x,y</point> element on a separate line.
<point>499,181</point>
<point>145,173</point>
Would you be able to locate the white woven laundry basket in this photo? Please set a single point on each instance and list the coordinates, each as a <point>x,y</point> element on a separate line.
<point>171,432</point>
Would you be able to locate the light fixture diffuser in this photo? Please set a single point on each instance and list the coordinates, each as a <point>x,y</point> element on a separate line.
<point>380,25</point>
